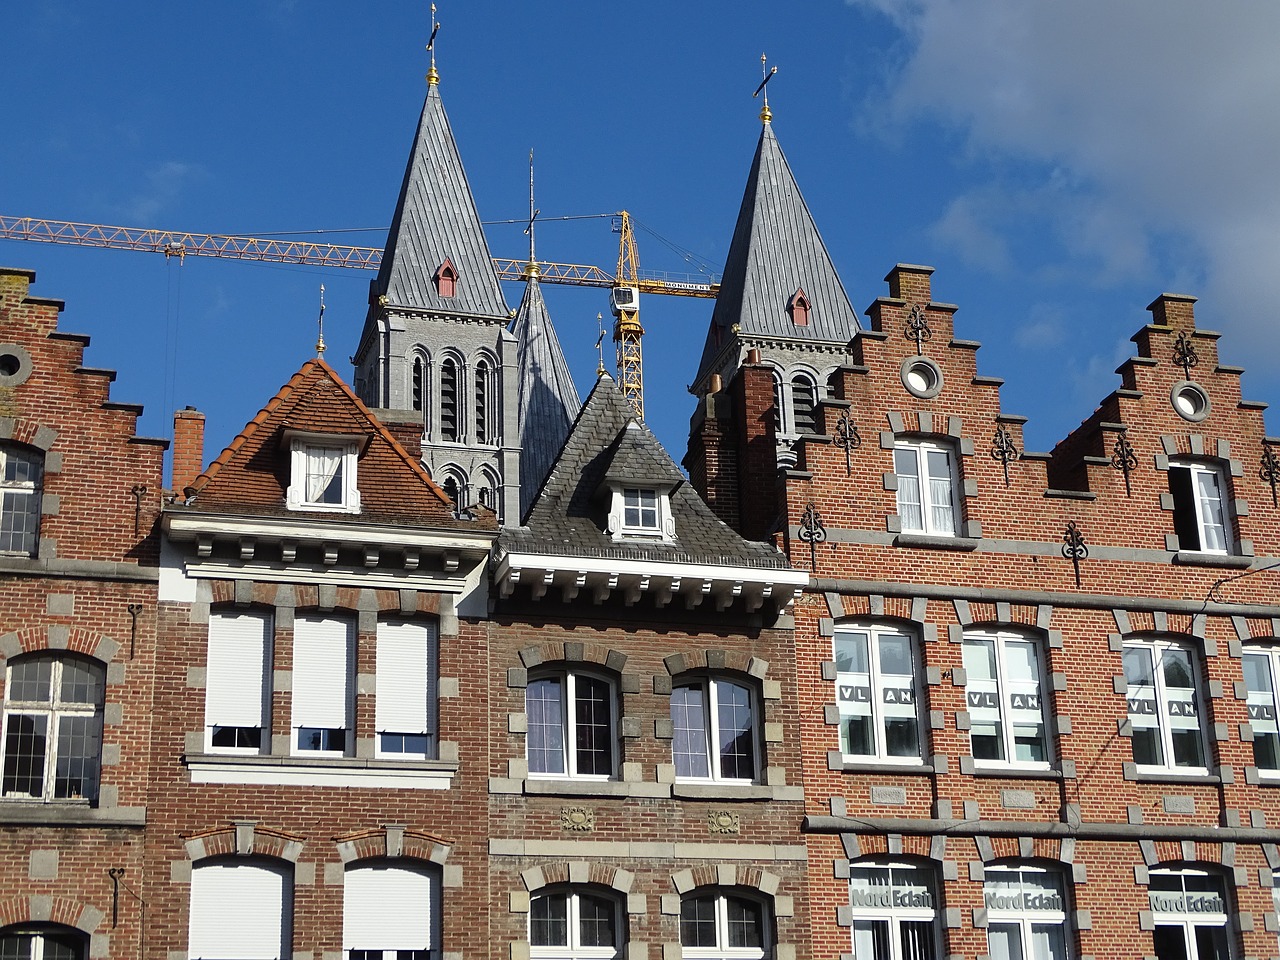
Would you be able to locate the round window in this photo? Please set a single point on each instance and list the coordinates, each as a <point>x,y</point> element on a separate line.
<point>922,377</point>
<point>15,364</point>
<point>1190,401</point>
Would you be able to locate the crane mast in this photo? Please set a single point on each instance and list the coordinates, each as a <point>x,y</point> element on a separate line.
<point>624,301</point>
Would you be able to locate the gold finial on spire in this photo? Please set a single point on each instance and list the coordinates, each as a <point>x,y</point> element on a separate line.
<point>320,348</point>
<point>599,348</point>
<point>765,113</point>
<point>531,268</point>
<point>433,78</point>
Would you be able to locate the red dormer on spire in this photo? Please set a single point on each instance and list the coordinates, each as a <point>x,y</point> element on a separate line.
<point>446,278</point>
<point>799,306</point>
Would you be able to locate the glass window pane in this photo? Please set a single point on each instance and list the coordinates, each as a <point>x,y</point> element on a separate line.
<point>895,655</point>
<point>918,940</point>
<point>1176,665</point>
<point>871,940</point>
<point>1048,942</point>
<point>1004,941</point>
<point>737,731</point>
<point>81,682</point>
<point>549,921</point>
<point>596,922</point>
<point>690,735</point>
<point>25,746</point>
<point>30,680</point>
<point>698,922</point>
<point>1137,667</point>
<point>545,737</point>
<point>744,922</point>
<point>851,653</point>
<point>79,746</point>
<point>593,728</point>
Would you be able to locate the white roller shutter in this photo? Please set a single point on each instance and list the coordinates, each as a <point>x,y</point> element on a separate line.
<point>237,669</point>
<point>241,911</point>
<point>387,907</point>
<point>404,675</point>
<point>322,672</point>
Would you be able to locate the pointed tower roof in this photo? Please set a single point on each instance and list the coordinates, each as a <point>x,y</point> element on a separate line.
<point>548,399</point>
<point>436,222</point>
<point>776,253</point>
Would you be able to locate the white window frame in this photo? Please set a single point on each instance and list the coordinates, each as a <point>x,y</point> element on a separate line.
<point>1263,705</point>
<point>929,501</point>
<point>37,934</point>
<point>1026,916</point>
<point>722,950</point>
<point>568,681</point>
<point>663,527</point>
<point>53,711</point>
<point>900,904</point>
<point>235,910</point>
<point>712,686</point>
<point>405,693</point>
<point>237,691</point>
<point>574,949</point>
<point>303,448</point>
<point>312,695</point>
<point>1010,697</point>
<point>14,491</point>
<point>1137,697</point>
<point>877,695</point>
<point>1208,527</point>
<point>390,905</point>
<point>1189,920</point>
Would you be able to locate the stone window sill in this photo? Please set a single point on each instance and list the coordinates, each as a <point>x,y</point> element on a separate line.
<point>887,769</point>
<point>935,543</point>
<point>321,771</point>
<point>1135,775</point>
<point>69,813</point>
<point>1192,558</point>
<point>1013,773</point>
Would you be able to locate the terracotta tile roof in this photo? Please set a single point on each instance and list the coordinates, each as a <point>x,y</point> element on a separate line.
<point>252,474</point>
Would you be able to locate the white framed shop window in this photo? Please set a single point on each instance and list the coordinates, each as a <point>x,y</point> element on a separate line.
<point>894,910</point>
<point>1026,912</point>
<point>1190,910</point>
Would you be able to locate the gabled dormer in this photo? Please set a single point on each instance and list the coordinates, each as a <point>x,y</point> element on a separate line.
<point>637,486</point>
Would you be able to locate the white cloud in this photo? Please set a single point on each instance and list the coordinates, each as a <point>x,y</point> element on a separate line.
<point>163,185</point>
<point>1153,123</point>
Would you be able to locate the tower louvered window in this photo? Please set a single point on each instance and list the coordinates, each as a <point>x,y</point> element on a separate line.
<point>416,385</point>
<point>449,400</point>
<point>483,402</point>
<point>777,403</point>
<point>804,404</point>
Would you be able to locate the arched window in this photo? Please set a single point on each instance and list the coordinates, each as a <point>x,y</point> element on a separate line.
<point>894,907</point>
<point>487,490</point>
<point>1190,911</point>
<point>778,402</point>
<point>417,380</point>
<point>804,403</point>
<point>1261,664</point>
<point>1165,704</point>
<point>718,924</point>
<point>53,727</point>
<point>1026,912</point>
<point>483,401</point>
<point>450,382</point>
<point>876,693</point>
<point>575,924</point>
<point>21,478</point>
<point>715,725</point>
<point>572,725</point>
<point>242,908</point>
<point>43,941</point>
<point>390,911</point>
<point>1004,691</point>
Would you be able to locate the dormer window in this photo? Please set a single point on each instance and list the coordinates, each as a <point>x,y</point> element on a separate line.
<point>322,471</point>
<point>446,279</point>
<point>799,306</point>
<point>640,510</point>
<point>641,513</point>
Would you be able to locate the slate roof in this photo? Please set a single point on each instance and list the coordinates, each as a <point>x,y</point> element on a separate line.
<point>252,475</point>
<point>776,249</point>
<point>548,399</point>
<point>569,515</point>
<point>436,219</point>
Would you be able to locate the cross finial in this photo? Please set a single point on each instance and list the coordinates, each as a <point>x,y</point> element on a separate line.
<point>531,269</point>
<point>320,348</point>
<point>767,72</point>
<point>599,345</point>
<point>433,78</point>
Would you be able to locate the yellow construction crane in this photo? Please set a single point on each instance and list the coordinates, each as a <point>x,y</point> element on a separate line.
<point>625,284</point>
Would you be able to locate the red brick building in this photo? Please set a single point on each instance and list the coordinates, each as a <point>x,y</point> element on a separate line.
<point>1037,691</point>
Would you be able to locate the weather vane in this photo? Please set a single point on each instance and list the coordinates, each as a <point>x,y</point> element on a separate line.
<point>320,324</point>
<point>599,347</point>
<point>433,77</point>
<point>532,269</point>
<point>765,113</point>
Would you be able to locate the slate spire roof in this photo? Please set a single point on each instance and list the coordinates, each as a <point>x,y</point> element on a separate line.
<point>548,399</point>
<point>569,516</point>
<point>435,221</point>
<point>776,250</point>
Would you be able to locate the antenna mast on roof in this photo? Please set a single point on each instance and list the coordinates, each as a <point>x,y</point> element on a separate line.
<point>320,347</point>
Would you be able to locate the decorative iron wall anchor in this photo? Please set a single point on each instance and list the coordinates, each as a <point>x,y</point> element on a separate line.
<point>134,609</point>
<point>918,328</point>
<point>1004,450</point>
<point>1125,460</point>
<point>1270,469</point>
<point>812,532</point>
<point>847,439</point>
<point>1184,354</point>
<point>138,490</point>
<point>1073,547</point>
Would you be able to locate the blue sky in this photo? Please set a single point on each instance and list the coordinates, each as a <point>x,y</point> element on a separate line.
<point>1059,164</point>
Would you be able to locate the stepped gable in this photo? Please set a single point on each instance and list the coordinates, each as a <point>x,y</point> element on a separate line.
<point>569,515</point>
<point>436,222</point>
<point>548,399</point>
<point>776,251</point>
<point>252,474</point>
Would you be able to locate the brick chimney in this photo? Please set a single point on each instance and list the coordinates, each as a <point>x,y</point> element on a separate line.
<point>188,447</point>
<point>712,458</point>
<point>760,495</point>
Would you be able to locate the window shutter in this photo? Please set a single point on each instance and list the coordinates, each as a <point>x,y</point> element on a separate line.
<point>404,679</point>
<point>321,672</point>
<point>240,910</point>
<point>234,692</point>
<point>387,907</point>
